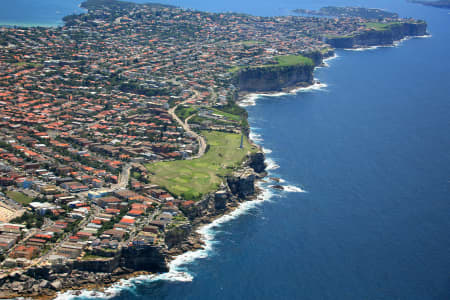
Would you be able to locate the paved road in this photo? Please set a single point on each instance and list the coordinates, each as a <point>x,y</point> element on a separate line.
<point>201,140</point>
<point>124,176</point>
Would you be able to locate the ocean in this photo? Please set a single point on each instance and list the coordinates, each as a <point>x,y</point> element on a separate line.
<point>366,159</point>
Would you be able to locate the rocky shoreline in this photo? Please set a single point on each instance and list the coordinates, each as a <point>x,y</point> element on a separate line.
<point>46,282</point>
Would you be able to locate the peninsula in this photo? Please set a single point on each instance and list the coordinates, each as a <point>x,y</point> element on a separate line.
<point>433,3</point>
<point>121,133</point>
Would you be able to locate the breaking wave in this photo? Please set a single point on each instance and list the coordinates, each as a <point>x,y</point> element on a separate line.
<point>250,99</point>
<point>271,164</point>
<point>266,150</point>
<point>293,189</point>
<point>178,269</point>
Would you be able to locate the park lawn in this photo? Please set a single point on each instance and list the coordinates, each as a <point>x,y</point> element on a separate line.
<point>227,115</point>
<point>19,197</point>
<point>184,112</point>
<point>293,60</point>
<point>191,179</point>
<point>282,61</point>
<point>380,26</point>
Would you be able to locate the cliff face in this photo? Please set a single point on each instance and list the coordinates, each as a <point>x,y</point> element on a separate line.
<point>144,258</point>
<point>257,163</point>
<point>96,266</point>
<point>177,235</point>
<point>242,183</point>
<point>394,33</point>
<point>318,56</point>
<point>273,78</point>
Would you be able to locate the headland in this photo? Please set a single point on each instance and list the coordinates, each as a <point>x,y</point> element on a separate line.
<point>123,134</point>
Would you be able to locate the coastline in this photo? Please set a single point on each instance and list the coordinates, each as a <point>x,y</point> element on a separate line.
<point>249,98</point>
<point>201,232</point>
<point>57,22</point>
<point>395,44</point>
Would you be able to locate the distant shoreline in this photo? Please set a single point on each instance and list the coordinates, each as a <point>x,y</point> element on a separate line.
<point>56,23</point>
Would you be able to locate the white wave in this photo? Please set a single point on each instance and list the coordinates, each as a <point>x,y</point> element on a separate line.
<point>293,189</point>
<point>363,48</point>
<point>249,100</point>
<point>395,44</point>
<point>327,60</point>
<point>331,58</point>
<point>178,271</point>
<point>315,87</point>
<point>271,165</point>
<point>255,137</point>
<point>266,150</point>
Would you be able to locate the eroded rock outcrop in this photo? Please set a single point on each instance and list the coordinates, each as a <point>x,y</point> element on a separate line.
<point>273,78</point>
<point>257,162</point>
<point>144,258</point>
<point>242,182</point>
<point>177,234</point>
<point>387,36</point>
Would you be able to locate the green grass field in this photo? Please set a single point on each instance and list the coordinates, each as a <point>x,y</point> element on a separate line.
<point>293,60</point>
<point>19,197</point>
<point>191,179</point>
<point>184,112</point>
<point>227,115</point>
<point>380,26</point>
<point>283,61</point>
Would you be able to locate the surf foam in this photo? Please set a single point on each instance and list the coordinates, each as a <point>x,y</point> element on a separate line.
<point>178,269</point>
<point>271,165</point>
<point>293,189</point>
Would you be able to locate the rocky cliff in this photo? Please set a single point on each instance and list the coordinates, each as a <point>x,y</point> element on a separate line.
<point>273,78</point>
<point>242,182</point>
<point>318,56</point>
<point>144,258</point>
<point>256,162</point>
<point>379,37</point>
<point>177,234</point>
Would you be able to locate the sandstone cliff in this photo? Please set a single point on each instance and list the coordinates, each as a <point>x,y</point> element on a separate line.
<point>387,36</point>
<point>273,78</point>
<point>144,258</point>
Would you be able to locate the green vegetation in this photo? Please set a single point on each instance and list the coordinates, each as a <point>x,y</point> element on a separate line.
<point>184,112</point>
<point>282,61</point>
<point>19,197</point>
<point>232,109</point>
<point>191,179</point>
<point>251,43</point>
<point>332,36</point>
<point>293,60</point>
<point>30,220</point>
<point>110,224</point>
<point>380,26</point>
<point>235,69</point>
<point>325,50</point>
<point>229,116</point>
<point>28,64</point>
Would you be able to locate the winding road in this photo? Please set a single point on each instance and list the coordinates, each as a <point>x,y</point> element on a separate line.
<point>201,140</point>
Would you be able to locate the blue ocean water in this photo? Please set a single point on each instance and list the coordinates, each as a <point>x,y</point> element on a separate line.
<point>372,152</point>
<point>37,12</point>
